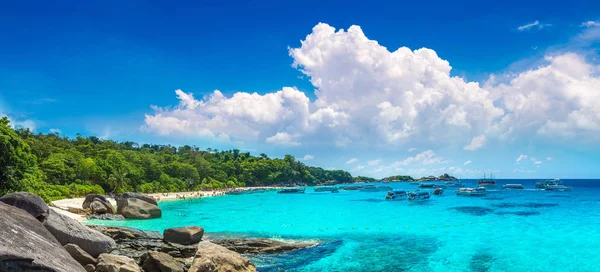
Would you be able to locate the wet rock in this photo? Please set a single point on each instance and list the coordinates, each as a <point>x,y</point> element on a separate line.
<point>25,245</point>
<point>90,267</point>
<point>473,210</point>
<point>107,216</point>
<point>116,263</point>
<point>161,262</point>
<point>258,246</point>
<point>138,209</point>
<point>69,231</point>
<point>79,254</point>
<point>518,213</point>
<point>213,257</point>
<point>184,235</point>
<point>28,202</point>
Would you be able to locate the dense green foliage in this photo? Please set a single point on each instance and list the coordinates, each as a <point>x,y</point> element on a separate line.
<point>57,167</point>
<point>398,178</point>
<point>364,179</point>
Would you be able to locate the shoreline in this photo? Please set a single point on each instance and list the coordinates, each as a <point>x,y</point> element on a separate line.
<point>67,205</point>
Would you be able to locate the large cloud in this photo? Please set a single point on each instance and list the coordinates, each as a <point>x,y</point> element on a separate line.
<point>368,94</point>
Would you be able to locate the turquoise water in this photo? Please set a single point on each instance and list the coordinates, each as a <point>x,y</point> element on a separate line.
<point>529,230</point>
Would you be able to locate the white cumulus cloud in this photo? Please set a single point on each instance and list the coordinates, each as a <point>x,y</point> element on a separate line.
<point>282,139</point>
<point>351,161</point>
<point>412,149</point>
<point>308,157</point>
<point>590,24</point>
<point>374,162</point>
<point>533,25</point>
<point>426,157</point>
<point>476,143</point>
<point>521,157</point>
<point>467,163</point>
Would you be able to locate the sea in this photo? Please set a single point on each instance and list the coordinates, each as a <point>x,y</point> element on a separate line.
<point>505,230</point>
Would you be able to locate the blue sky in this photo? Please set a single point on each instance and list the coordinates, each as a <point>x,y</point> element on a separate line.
<point>97,68</point>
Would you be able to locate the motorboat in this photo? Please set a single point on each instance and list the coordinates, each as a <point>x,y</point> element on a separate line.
<point>438,191</point>
<point>453,184</point>
<point>547,183</point>
<point>297,190</point>
<point>513,186</point>
<point>558,188</point>
<point>352,188</point>
<point>396,195</point>
<point>427,185</point>
<point>471,191</point>
<point>418,195</point>
<point>373,188</point>
<point>325,188</point>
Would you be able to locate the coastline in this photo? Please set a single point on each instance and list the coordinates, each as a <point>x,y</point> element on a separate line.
<point>68,205</point>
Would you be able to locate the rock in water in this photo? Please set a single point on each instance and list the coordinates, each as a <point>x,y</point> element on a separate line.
<point>69,231</point>
<point>29,202</point>
<point>260,245</point>
<point>25,245</point>
<point>116,263</point>
<point>106,216</point>
<point>79,254</point>
<point>138,209</point>
<point>213,257</point>
<point>100,200</point>
<point>184,235</point>
<point>161,262</point>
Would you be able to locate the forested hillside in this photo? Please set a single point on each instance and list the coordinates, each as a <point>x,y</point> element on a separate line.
<point>56,167</point>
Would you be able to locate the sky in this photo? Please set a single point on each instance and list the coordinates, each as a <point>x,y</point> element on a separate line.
<point>375,88</point>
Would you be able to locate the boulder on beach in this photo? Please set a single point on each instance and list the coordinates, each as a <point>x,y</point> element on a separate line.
<point>261,245</point>
<point>213,257</point>
<point>116,263</point>
<point>137,196</point>
<point>69,231</point>
<point>184,235</point>
<point>106,216</point>
<point>98,204</point>
<point>161,262</point>
<point>33,204</point>
<point>137,209</point>
<point>79,254</point>
<point>25,245</point>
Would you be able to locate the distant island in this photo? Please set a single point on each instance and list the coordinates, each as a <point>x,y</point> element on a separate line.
<point>399,178</point>
<point>444,177</point>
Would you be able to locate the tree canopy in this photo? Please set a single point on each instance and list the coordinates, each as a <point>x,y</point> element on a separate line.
<point>56,167</point>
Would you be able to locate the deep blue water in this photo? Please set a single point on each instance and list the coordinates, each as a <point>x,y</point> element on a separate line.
<point>526,230</point>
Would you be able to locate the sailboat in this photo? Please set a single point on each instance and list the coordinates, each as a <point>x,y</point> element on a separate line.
<point>487,182</point>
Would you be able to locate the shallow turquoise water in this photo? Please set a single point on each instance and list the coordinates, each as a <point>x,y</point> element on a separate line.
<point>529,230</point>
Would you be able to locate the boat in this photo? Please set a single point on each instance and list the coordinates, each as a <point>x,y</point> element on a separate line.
<point>487,182</point>
<point>325,188</point>
<point>546,183</point>
<point>418,195</point>
<point>558,188</point>
<point>352,188</point>
<point>396,195</point>
<point>427,185</point>
<point>438,191</point>
<point>513,186</point>
<point>453,184</point>
<point>373,188</point>
<point>471,191</point>
<point>296,190</point>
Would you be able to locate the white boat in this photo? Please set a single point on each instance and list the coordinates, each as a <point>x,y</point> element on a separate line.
<point>513,186</point>
<point>396,195</point>
<point>438,191</point>
<point>471,191</point>
<point>546,183</point>
<point>325,188</point>
<point>291,191</point>
<point>559,188</point>
<point>373,188</point>
<point>418,195</point>
<point>428,185</point>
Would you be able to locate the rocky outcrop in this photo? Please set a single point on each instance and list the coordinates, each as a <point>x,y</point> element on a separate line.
<point>161,262</point>
<point>137,209</point>
<point>25,245</point>
<point>213,257</point>
<point>116,263</point>
<point>69,231</point>
<point>137,196</point>
<point>184,235</point>
<point>98,204</point>
<point>260,246</point>
<point>79,254</point>
<point>90,268</point>
<point>106,216</point>
<point>29,202</point>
